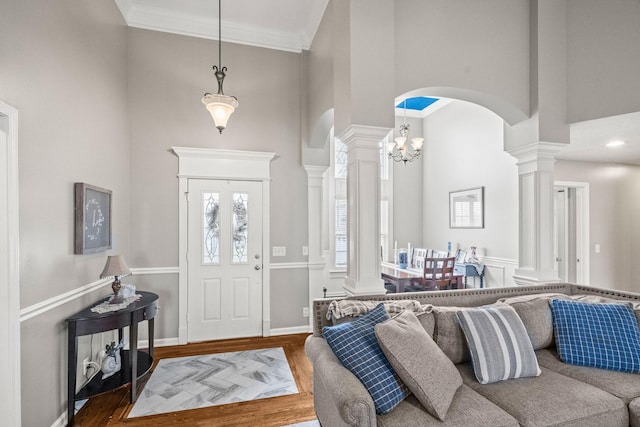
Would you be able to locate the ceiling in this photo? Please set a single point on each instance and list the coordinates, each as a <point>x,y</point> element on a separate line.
<point>290,25</point>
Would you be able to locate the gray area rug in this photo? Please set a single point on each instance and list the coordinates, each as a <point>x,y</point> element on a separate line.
<point>215,379</point>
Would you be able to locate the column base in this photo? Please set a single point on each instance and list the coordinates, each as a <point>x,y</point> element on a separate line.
<point>528,277</point>
<point>370,287</point>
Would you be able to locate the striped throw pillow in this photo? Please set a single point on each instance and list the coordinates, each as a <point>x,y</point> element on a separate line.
<point>499,344</point>
<point>600,335</point>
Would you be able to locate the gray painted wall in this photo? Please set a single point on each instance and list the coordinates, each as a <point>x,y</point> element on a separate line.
<point>614,195</point>
<point>464,149</point>
<point>168,74</point>
<point>603,59</point>
<point>63,66</point>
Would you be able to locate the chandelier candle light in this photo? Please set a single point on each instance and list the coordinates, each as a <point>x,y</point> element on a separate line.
<point>220,106</point>
<point>398,149</point>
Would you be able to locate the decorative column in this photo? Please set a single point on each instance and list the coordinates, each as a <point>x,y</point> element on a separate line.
<point>317,261</point>
<point>535,193</point>
<point>363,209</point>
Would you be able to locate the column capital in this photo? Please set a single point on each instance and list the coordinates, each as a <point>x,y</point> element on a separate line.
<point>537,152</point>
<point>355,134</point>
<point>314,171</point>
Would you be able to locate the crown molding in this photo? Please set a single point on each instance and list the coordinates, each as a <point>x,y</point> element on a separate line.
<point>159,19</point>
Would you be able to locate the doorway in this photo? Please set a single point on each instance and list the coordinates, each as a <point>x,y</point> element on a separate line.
<point>225,259</point>
<point>571,231</point>
<point>213,168</point>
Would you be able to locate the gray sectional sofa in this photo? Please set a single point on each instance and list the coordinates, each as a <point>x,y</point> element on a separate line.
<point>562,395</point>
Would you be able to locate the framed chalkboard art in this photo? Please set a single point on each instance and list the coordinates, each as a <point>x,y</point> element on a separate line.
<point>92,219</point>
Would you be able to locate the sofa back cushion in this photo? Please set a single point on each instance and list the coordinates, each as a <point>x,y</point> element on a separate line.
<point>449,335</point>
<point>535,313</point>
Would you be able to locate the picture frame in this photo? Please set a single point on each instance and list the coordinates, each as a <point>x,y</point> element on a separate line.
<point>92,218</point>
<point>466,208</point>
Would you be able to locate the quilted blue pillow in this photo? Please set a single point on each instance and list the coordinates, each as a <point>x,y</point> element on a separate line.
<point>356,346</point>
<point>599,335</point>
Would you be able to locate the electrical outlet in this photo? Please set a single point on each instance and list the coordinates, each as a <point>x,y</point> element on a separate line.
<point>305,311</point>
<point>85,365</point>
<point>305,250</point>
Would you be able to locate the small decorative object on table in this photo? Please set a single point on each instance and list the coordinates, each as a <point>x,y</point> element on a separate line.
<point>115,267</point>
<point>402,258</point>
<point>111,362</point>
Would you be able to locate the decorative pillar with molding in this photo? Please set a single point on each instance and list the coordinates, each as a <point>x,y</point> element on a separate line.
<point>317,261</point>
<point>535,190</point>
<point>363,210</point>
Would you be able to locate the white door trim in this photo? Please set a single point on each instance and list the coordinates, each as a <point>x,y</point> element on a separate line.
<point>582,227</point>
<point>207,163</point>
<point>11,307</point>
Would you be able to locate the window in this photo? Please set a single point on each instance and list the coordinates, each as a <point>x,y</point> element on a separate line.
<point>338,189</point>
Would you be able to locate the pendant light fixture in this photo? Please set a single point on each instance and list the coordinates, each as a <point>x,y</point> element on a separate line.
<point>220,106</point>
<point>398,149</point>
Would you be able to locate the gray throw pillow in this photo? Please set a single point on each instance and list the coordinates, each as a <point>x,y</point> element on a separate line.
<point>419,362</point>
<point>499,344</point>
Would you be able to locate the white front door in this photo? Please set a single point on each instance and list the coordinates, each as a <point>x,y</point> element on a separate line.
<point>224,259</point>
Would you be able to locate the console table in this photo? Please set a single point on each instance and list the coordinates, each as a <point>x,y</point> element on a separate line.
<point>135,363</point>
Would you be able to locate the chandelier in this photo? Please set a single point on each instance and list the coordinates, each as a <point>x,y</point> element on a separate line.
<point>220,106</point>
<point>398,149</point>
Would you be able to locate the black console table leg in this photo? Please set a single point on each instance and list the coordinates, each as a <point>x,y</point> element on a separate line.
<point>72,356</point>
<point>133,357</point>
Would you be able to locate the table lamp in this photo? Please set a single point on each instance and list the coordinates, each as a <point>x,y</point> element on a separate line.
<point>115,267</point>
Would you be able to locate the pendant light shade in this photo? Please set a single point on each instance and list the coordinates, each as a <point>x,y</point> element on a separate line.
<point>221,107</point>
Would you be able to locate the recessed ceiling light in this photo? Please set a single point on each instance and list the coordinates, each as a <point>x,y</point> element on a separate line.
<point>617,143</point>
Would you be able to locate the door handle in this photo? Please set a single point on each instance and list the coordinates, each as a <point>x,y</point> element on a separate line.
<point>558,259</point>
<point>257,267</point>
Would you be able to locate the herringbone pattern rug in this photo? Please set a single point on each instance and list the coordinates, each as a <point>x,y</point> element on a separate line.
<point>215,379</point>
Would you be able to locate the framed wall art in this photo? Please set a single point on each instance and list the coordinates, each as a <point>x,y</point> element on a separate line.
<point>92,219</point>
<point>466,208</point>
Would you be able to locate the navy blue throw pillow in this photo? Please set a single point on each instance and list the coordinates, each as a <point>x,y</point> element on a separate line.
<point>599,335</point>
<point>357,348</point>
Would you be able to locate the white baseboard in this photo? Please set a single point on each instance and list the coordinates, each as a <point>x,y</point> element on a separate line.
<point>292,330</point>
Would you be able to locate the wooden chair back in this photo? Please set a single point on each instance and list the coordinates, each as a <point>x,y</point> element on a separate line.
<point>438,272</point>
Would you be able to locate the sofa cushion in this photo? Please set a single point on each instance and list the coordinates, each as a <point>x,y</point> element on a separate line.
<point>623,385</point>
<point>419,363</point>
<point>598,335</point>
<point>551,399</point>
<point>499,345</point>
<point>535,313</point>
<point>355,345</point>
<point>634,413</point>
<point>467,409</point>
<point>449,335</point>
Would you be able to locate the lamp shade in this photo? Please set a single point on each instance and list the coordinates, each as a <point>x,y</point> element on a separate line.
<point>221,107</point>
<point>115,266</point>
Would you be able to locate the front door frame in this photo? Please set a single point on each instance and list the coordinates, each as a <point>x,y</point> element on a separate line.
<point>11,306</point>
<point>205,163</point>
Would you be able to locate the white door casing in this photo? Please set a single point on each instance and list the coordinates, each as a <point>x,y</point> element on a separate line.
<point>10,395</point>
<point>579,240</point>
<point>201,163</point>
<point>224,259</point>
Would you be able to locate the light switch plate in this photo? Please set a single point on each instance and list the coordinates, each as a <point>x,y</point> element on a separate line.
<point>279,251</point>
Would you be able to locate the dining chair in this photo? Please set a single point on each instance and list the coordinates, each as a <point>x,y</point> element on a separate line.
<point>437,274</point>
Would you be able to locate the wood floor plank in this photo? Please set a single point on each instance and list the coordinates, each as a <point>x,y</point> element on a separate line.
<point>111,409</point>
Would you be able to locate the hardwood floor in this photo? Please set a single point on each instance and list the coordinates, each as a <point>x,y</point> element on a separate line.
<point>111,409</point>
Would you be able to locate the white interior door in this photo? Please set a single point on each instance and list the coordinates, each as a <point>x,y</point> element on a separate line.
<point>224,259</point>
<point>560,231</point>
